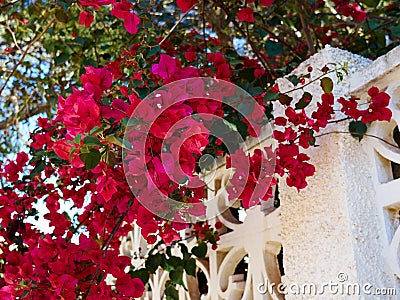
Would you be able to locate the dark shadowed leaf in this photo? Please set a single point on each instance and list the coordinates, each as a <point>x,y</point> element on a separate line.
<point>200,250</point>
<point>142,274</point>
<point>370,3</point>
<point>171,293</point>
<point>285,99</point>
<point>91,141</point>
<point>190,267</point>
<point>294,79</point>
<point>357,129</point>
<point>61,16</point>
<point>304,101</point>
<point>91,158</point>
<point>273,48</point>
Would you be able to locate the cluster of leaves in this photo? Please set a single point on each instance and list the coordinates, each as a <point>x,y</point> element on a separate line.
<point>178,264</point>
<point>91,62</point>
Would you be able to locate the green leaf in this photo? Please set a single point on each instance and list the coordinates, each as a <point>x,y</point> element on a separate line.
<point>77,139</point>
<point>171,293</point>
<point>274,21</point>
<point>255,90</point>
<point>61,16</point>
<point>141,61</point>
<point>327,85</point>
<point>153,51</point>
<point>200,250</point>
<point>176,276</point>
<point>311,134</point>
<point>62,58</point>
<point>190,267</point>
<point>184,179</point>
<point>119,142</point>
<point>371,3</point>
<point>260,32</point>
<point>173,263</point>
<point>89,62</point>
<point>144,3</point>
<point>24,294</point>
<point>205,163</point>
<point>80,40</point>
<point>91,141</point>
<point>39,167</point>
<point>247,73</point>
<point>293,79</point>
<point>143,92</point>
<point>271,96</point>
<point>100,278</point>
<point>396,30</point>
<point>229,125</point>
<point>185,251</point>
<point>91,158</point>
<point>153,262</point>
<point>304,101</point>
<point>95,129</point>
<point>357,129</point>
<point>64,5</point>
<point>142,274</point>
<point>273,48</point>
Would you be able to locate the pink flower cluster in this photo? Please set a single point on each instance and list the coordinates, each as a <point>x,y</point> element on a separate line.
<point>377,109</point>
<point>122,10</point>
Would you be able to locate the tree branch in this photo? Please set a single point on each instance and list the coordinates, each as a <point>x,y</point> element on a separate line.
<point>8,4</point>
<point>40,108</point>
<point>256,51</point>
<point>309,39</point>
<point>364,134</point>
<point>176,25</point>
<point>25,53</point>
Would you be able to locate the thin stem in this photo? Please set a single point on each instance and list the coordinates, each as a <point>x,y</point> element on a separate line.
<point>261,58</point>
<point>338,121</point>
<point>8,4</point>
<point>204,31</point>
<point>176,25</point>
<point>82,223</point>
<point>306,29</point>
<point>13,37</point>
<point>105,247</point>
<point>364,134</point>
<point>25,53</point>
<point>115,229</point>
<point>311,81</point>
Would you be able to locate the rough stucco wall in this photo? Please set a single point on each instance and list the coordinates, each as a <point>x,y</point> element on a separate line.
<point>368,234</point>
<point>332,226</point>
<point>316,238</point>
<point>362,171</point>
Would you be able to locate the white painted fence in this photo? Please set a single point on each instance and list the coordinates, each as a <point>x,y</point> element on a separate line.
<point>340,236</point>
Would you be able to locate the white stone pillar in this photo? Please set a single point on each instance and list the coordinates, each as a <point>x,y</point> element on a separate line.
<point>331,231</point>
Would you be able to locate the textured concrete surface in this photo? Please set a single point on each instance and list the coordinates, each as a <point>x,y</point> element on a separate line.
<point>333,227</point>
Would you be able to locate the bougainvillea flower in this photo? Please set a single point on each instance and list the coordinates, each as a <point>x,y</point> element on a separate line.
<point>122,10</point>
<point>246,15</point>
<point>86,18</point>
<point>185,5</point>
